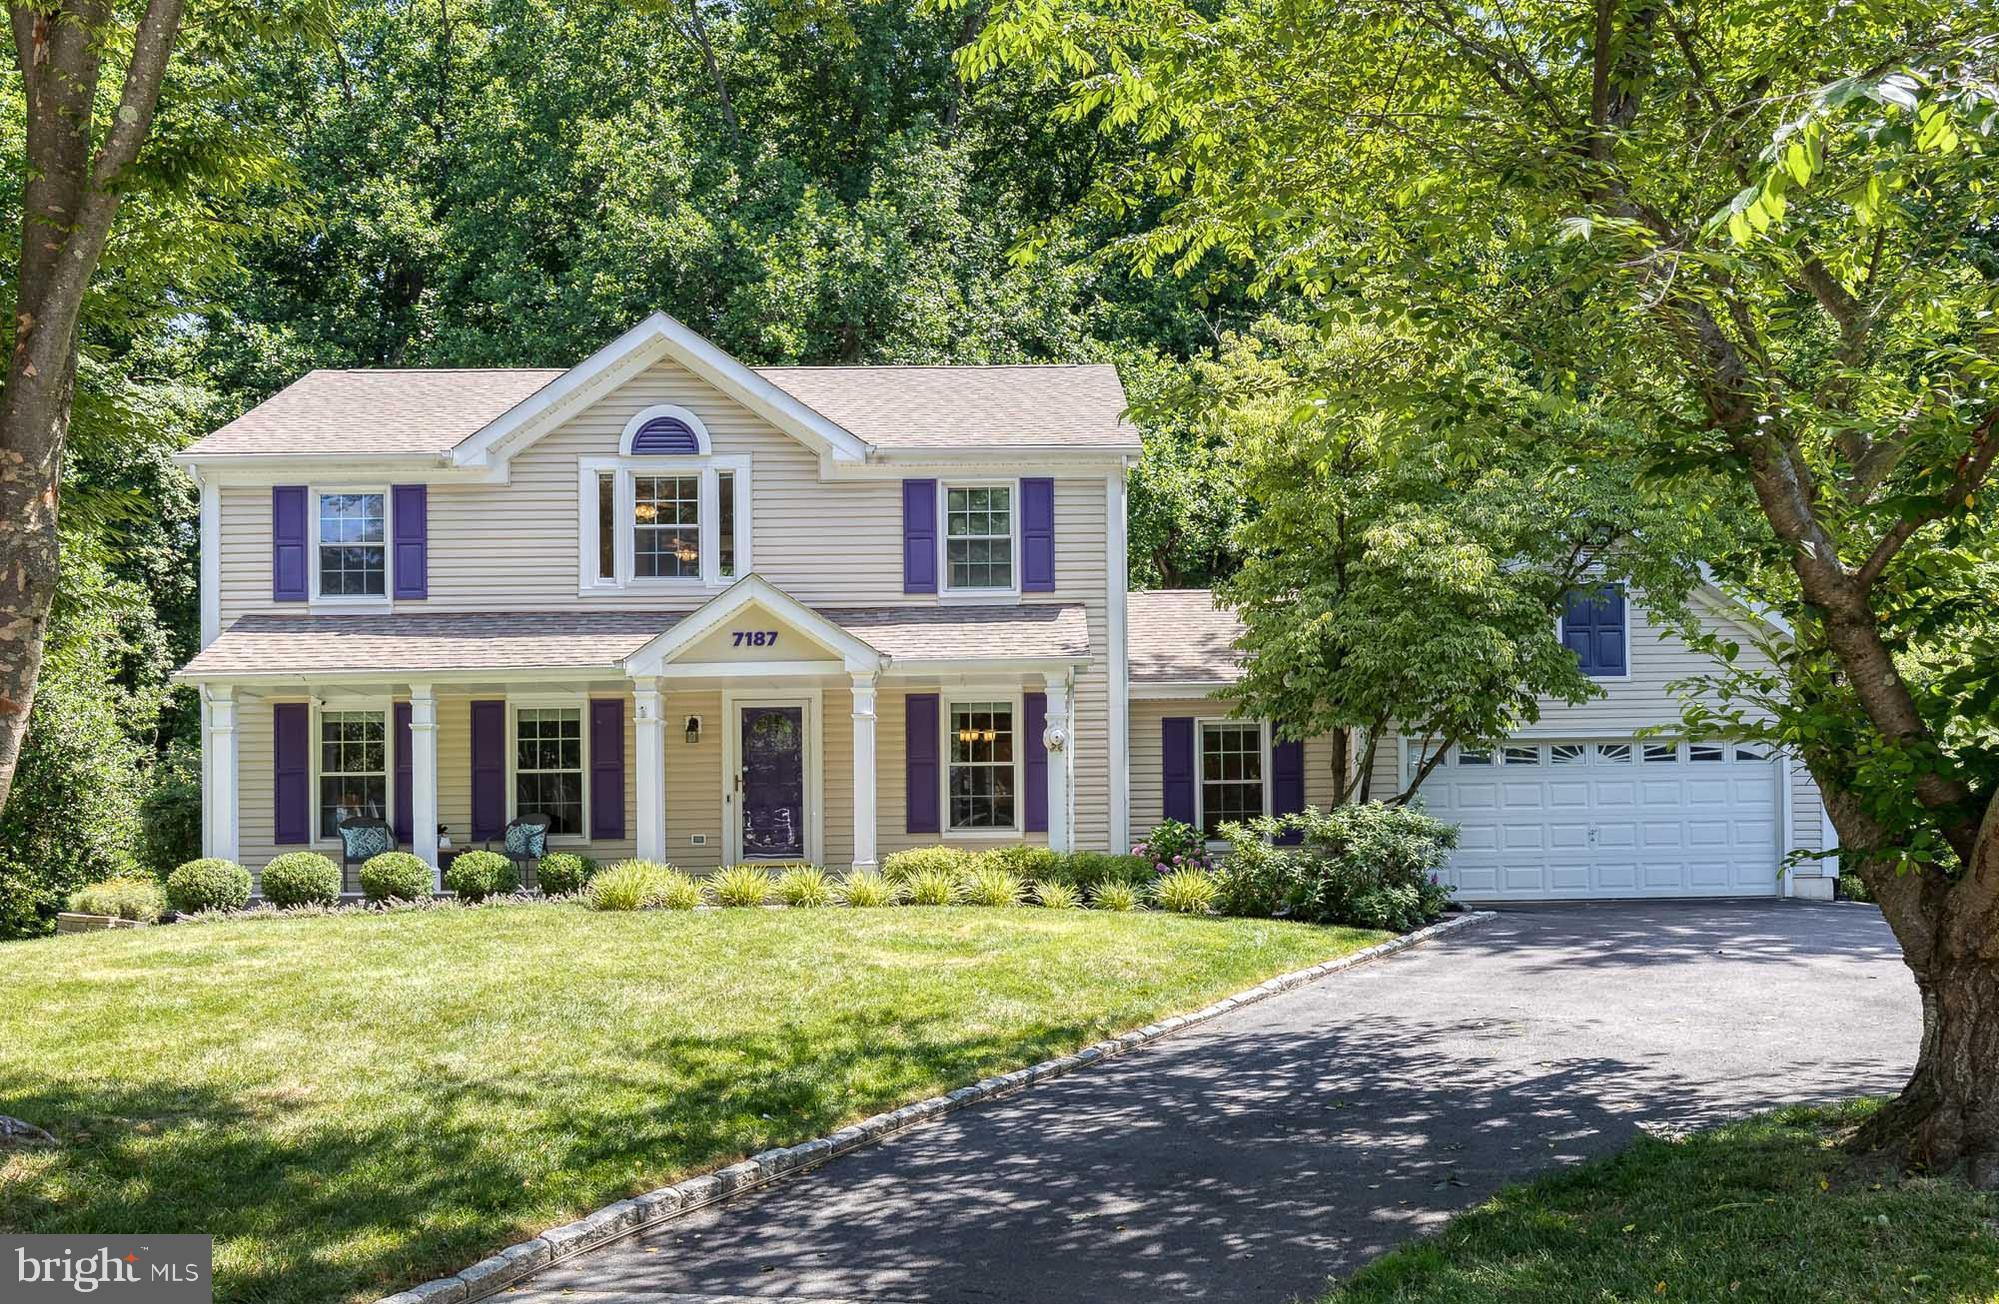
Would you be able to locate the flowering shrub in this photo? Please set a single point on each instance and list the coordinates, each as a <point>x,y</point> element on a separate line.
<point>1173,846</point>
<point>1370,866</point>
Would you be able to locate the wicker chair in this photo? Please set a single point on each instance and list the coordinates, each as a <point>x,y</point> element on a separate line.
<point>524,841</point>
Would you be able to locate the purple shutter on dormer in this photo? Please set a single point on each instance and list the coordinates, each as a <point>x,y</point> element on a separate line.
<point>288,543</point>
<point>607,768</point>
<point>1037,536</point>
<point>919,536</point>
<point>921,741</point>
<point>403,800</point>
<point>1176,768</point>
<point>1287,783</point>
<point>489,769</point>
<point>1034,719</point>
<point>410,510</point>
<point>291,759</point>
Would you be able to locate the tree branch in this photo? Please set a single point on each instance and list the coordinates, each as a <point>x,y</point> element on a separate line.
<point>1972,469</point>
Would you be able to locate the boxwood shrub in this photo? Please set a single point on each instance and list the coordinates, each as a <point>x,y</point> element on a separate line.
<point>476,875</point>
<point>209,884</point>
<point>562,873</point>
<point>396,876</point>
<point>301,878</point>
<point>128,896</point>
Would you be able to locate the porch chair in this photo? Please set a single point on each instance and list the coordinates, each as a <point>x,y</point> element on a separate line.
<point>362,837</point>
<point>524,841</point>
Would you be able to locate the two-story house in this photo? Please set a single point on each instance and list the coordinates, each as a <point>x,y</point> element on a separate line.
<point>697,611</point>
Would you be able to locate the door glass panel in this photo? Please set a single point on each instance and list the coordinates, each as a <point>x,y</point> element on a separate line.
<point>773,782</point>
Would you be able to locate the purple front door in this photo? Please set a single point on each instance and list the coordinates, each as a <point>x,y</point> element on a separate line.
<point>773,782</point>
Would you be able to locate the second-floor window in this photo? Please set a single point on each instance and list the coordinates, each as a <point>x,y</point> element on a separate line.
<point>352,553</point>
<point>666,511</point>
<point>978,537</point>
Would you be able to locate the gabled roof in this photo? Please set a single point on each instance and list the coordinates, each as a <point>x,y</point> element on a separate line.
<point>754,591</point>
<point>475,417</point>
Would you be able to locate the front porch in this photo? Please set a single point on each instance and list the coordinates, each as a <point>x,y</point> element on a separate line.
<point>751,729</point>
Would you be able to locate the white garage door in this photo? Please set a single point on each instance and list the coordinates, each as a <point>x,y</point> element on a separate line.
<point>1624,818</point>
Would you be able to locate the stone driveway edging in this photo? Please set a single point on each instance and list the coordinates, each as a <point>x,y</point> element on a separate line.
<point>643,1212</point>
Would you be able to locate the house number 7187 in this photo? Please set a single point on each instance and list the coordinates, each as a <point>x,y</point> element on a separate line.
<point>756,638</point>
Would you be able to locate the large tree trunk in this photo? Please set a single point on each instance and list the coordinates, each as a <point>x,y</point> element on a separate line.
<point>1947,1116</point>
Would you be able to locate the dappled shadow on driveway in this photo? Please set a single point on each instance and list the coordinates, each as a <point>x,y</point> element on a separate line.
<point>1295,1139</point>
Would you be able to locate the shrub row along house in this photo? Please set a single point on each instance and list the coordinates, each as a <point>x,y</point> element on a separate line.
<point>691,610</point>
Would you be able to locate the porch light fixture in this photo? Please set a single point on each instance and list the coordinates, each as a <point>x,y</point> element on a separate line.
<point>693,730</point>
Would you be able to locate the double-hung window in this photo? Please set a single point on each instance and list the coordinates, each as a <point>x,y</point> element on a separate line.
<point>664,513</point>
<point>351,547</point>
<point>1233,771</point>
<point>983,779</point>
<point>979,533</point>
<point>353,767</point>
<point>548,766</point>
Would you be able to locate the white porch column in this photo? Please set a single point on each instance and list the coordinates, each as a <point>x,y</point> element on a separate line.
<point>651,773</point>
<point>423,777</point>
<point>865,777</point>
<point>219,773</point>
<point>1055,737</point>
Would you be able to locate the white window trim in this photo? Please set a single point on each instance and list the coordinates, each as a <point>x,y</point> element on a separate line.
<point>383,706</point>
<point>578,702</point>
<point>1201,724</point>
<point>624,580</point>
<point>1011,693</point>
<point>315,598</point>
<point>945,589</point>
<point>1561,621</point>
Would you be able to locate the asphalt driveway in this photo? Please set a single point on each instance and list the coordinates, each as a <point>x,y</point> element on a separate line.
<point>1252,1157</point>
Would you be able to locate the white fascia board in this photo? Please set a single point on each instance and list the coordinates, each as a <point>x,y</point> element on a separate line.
<point>295,468</point>
<point>1742,608</point>
<point>658,336</point>
<point>305,679</point>
<point>921,671</point>
<point>1182,691</point>
<point>1025,459</point>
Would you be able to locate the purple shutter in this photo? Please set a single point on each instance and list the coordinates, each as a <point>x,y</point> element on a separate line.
<point>410,513</point>
<point>919,536</point>
<point>1176,768</point>
<point>607,769</point>
<point>920,750</point>
<point>1593,628</point>
<point>291,760</point>
<point>1609,607</point>
<point>403,800</point>
<point>1037,536</point>
<point>1287,782</point>
<point>1034,718</point>
<point>489,769</point>
<point>288,569</point>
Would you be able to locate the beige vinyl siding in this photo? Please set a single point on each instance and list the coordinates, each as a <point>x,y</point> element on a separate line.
<point>693,780</point>
<point>1148,757</point>
<point>892,791</point>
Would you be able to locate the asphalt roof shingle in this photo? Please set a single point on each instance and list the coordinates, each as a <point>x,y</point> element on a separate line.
<point>392,643</point>
<point>430,412</point>
<point>1179,636</point>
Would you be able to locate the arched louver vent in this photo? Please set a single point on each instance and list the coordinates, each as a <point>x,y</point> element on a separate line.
<point>666,435</point>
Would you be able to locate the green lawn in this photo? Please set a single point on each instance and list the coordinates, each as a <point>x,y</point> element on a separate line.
<point>1763,1210</point>
<point>354,1103</point>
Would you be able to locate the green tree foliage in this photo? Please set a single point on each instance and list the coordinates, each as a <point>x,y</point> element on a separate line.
<point>1394,581</point>
<point>1761,237</point>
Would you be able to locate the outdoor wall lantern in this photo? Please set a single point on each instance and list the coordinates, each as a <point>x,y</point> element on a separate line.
<point>693,730</point>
